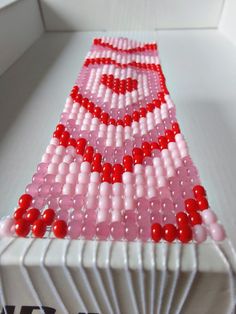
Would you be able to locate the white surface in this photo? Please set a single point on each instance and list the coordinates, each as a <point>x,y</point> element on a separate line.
<point>80,15</point>
<point>20,27</point>
<point>228,20</point>
<point>115,277</point>
<point>200,68</point>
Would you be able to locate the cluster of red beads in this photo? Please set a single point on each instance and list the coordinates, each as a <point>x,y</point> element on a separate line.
<point>119,86</point>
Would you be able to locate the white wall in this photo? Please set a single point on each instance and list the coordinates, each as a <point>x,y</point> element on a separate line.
<point>84,15</point>
<point>20,26</point>
<point>228,20</point>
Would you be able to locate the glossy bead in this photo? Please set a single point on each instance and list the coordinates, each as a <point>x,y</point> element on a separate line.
<point>22,227</point>
<point>102,230</point>
<point>48,216</point>
<point>169,232</point>
<point>208,217</point>
<point>74,229</point>
<point>202,203</point>
<point>195,218</point>
<point>25,201</point>
<point>32,214</point>
<point>157,232</point>
<point>39,228</point>
<point>19,213</point>
<point>117,230</point>
<point>182,219</point>
<point>59,229</point>
<point>199,233</point>
<point>185,234</point>
<point>217,232</point>
<point>191,205</point>
<point>199,191</point>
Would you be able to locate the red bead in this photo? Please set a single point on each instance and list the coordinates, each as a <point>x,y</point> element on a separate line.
<point>136,116</point>
<point>60,128</point>
<point>60,229</point>
<point>25,201</point>
<point>65,135</point>
<point>202,203</point>
<point>118,169</point>
<point>154,145</point>
<point>22,227</point>
<point>72,142</point>
<point>63,142</point>
<point>127,120</point>
<point>162,142</point>
<point>97,111</point>
<point>39,228</point>
<point>120,122</point>
<point>57,134</point>
<point>157,103</point>
<point>88,157</point>
<point>19,213</point>
<point>137,151</point>
<point>97,158</point>
<point>143,112</point>
<point>96,167</point>
<point>112,121</point>
<point>116,178</point>
<point>107,168</point>
<point>175,128</point>
<point>146,146</point>
<point>138,159</point>
<point>146,152</point>
<point>156,232</point>
<point>190,205</point>
<point>199,191</point>
<point>104,117</point>
<point>127,160</point>
<point>150,107</point>
<point>48,216</point>
<point>170,136</point>
<point>185,234</point>
<point>81,142</point>
<point>32,215</point>
<point>90,106</point>
<point>89,150</point>
<point>182,219</point>
<point>169,232</point>
<point>195,218</point>
<point>106,177</point>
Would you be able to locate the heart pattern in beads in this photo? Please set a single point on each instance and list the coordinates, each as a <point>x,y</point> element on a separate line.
<point>117,166</point>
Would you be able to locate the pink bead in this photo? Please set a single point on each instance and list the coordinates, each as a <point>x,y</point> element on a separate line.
<point>161,181</point>
<point>56,189</point>
<point>88,230</point>
<point>140,179</point>
<point>60,150</point>
<point>208,217</point>
<point>52,203</point>
<point>42,167</point>
<point>65,202</point>
<point>56,159</point>
<point>117,230</point>
<point>199,233</point>
<point>44,190</point>
<point>74,229</point>
<point>151,192</point>
<point>62,214</point>
<point>129,203</point>
<point>61,178</point>
<point>78,201</point>
<point>167,205</point>
<point>54,141</point>
<point>169,217</point>
<point>103,215</point>
<point>81,189</point>
<point>164,193</point>
<point>130,216</point>
<point>144,233</point>
<point>155,204</point>
<point>32,189</point>
<point>38,202</point>
<point>50,149</point>
<point>142,204</point>
<point>77,215</point>
<point>70,150</point>
<point>6,227</point>
<point>131,231</point>
<point>102,230</point>
<point>38,178</point>
<point>157,217</point>
<point>217,232</point>
<point>143,218</point>
<point>49,178</point>
<point>46,157</point>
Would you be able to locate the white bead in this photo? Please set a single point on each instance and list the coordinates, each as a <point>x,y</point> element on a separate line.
<point>85,167</point>
<point>105,189</point>
<point>127,178</point>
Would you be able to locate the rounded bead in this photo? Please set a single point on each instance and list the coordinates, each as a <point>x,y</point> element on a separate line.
<point>22,227</point>
<point>157,232</point>
<point>48,216</point>
<point>32,214</point>
<point>185,234</point>
<point>199,233</point>
<point>169,232</point>
<point>60,229</point>
<point>39,228</point>
<point>25,201</point>
<point>217,232</point>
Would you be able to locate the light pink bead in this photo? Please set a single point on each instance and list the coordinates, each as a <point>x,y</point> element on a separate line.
<point>68,189</point>
<point>61,178</point>
<point>130,216</point>
<point>68,159</point>
<point>170,171</point>
<point>199,233</point>
<point>42,168</point>
<point>208,216</point>
<point>54,141</point>
<point>52,168</point>
<point>151,181</point>
<point>144,233</point>
<point>129,190</point>
<point>117,203</point>
<point>63,168</point>
<point>105,189</point>
<point>92,202</point>
<point>151,192</point>
<point>85,167</point>
<point>102,230</point>
<point>65,202</point>
<point>143,218</point>
<point>117,189</point>
<point>164,192</point>
<point>138,169</point>
<point>127,178</point>
<point>74,167</point>
<point>117,230</point>
<point>6,227</point>
<point>116,215</point>
<point>71,178</point>
<point>32,189</point>
<point>102,215</point>
<point>95,177</point>
<point>83,178</point>
<point>38,202</point>
<point>56,189</point>
<point>140,191</point>
<point>78,202</point>
<point>140,179</point>
<point>46,157</point>
<point>60,150</point>
<point>129,203</point>
<point>92,188</point>
<point>142,204</point>
<point>50,149</point>
<point>44,190</point>
<point>217,232</point>
<point>70,150</point>
<point>52,203</point>
<point>57,159</point>
<point>104,202</point>
<point>81,188</point>
<point>161,181</point>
